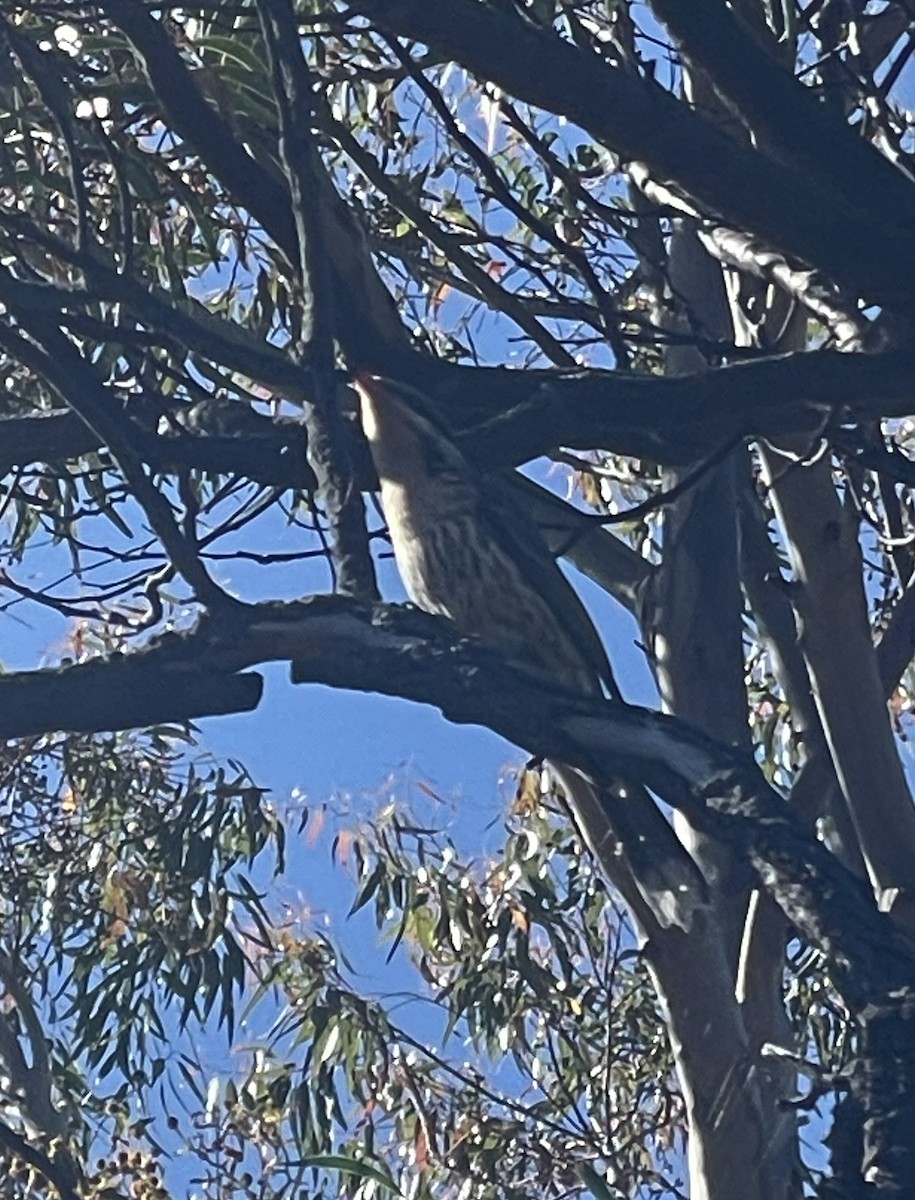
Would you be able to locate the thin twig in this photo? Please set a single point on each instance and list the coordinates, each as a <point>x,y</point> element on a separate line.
<point>68,373</point>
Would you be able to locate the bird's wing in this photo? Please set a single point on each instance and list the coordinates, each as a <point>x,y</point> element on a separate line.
<point>524,542</point>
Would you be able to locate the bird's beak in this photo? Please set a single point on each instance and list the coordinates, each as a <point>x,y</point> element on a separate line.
<point>378,409</point>
<point>366,386</point>
<point>366,382</point>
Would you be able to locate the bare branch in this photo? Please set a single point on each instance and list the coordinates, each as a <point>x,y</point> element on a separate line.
<point>789,120</point>
<point>717,176</point>
<point>400,652</point>
<point>848,327</point>
<point>78,386</point>
<point>668,420</point>
<point>672,421</point>
<point>831,610</point>
<point>327,444</point>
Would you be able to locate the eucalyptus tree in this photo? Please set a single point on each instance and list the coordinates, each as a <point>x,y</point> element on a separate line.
<point>665,249</point>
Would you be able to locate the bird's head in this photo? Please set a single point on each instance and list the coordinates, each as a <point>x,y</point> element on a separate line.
<point>407,446</point>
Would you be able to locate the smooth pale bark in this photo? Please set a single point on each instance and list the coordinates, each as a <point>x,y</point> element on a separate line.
<point>835,638</point>
<point>693,615</point>
<point>736,1132</point>
<point>739,1138</point>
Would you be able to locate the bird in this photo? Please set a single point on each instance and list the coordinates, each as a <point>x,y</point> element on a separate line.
<point>467,559</point>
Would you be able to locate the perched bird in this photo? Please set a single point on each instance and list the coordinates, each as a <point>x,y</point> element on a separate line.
<point>462,557</point>
<point>466,559</point>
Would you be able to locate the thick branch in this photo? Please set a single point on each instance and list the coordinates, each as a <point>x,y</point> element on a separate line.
<point>788,119</point>
<point>669,420</point>
<point>645,124</point>
<point>123,692</point>
<point>741,251</point>
<point>327,445</point>
<point>274,454</point>
<point>264,451</point>
<point>401,652</point>
<point>831,609</point>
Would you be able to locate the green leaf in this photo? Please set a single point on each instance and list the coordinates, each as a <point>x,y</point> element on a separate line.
<point>349,1166</point>
<point>369,888</point>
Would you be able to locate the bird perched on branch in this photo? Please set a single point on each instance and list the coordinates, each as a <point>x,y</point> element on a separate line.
<point>465,559</point>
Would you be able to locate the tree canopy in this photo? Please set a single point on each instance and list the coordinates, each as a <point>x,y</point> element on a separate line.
<point>663,252</point>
